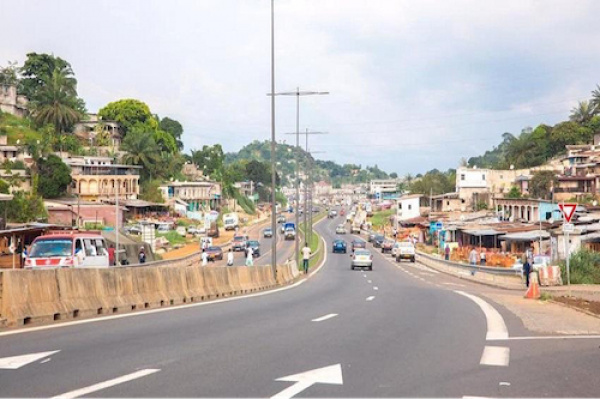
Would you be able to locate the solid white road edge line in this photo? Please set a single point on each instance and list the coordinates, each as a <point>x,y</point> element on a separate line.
<point>495,356</point>
<point>106,384</point>
<point>370,298</point>
<point>542,337</point>
<point>326,317</point>
<point>179,307</point>
<point>496,328</point>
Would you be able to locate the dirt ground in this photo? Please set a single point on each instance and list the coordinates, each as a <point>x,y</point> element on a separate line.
<point>590,306</point>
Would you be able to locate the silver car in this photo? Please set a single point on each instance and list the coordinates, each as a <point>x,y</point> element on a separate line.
<point>340,229</point>
<point>362,258</point>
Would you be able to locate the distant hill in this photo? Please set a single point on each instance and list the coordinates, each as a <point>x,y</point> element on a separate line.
<point>323,170</point>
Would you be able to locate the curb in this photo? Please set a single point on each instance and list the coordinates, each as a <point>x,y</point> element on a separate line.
<point>587,312</point>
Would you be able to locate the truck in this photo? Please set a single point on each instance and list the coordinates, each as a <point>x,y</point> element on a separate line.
<point>369,209</point>
<point>359,219</point>
<point>231,221</point>
<point>289,231</point>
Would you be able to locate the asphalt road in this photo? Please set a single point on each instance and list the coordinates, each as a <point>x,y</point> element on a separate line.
<point>398,331</point>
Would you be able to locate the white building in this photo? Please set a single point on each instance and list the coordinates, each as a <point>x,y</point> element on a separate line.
<point>203,195</point>
<point>378,187</point>
<point>411,206</point>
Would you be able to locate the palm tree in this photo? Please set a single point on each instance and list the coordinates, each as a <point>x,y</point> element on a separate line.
<point>141,150</point>
<point>583,112</point>
<point>56,102</point>
<point>595,101</point>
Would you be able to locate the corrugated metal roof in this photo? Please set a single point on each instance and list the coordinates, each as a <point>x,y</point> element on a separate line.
<point>483,232</point>
<point>526,235</point>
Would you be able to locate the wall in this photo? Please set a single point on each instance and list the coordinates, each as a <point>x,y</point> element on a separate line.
<point>409,208</point>
<point>42,296</point>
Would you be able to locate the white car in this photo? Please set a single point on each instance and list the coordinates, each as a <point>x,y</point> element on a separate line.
<point>340,229</point>
<point>362,258</point>
<point>405,250</point>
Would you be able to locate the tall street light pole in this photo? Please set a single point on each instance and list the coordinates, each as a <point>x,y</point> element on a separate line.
<point>273,182</point>
<point>297,94</point>
<point>312,195</point>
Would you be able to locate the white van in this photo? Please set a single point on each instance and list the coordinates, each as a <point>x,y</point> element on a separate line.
<point>67,250</point>
<point>231,221</point>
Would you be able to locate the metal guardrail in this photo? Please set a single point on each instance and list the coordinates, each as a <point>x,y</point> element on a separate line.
<point>478,268</point>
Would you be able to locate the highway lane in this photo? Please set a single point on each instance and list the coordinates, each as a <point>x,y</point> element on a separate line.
<point>411,339</point>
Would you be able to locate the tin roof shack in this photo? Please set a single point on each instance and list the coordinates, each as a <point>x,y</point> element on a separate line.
<point>20,236</point>
<point>520,242</point>
<point>449,202</point>
<point>139,209</point>
<point>70,212</point>
<point>584,235</point>
<point>479,237</point>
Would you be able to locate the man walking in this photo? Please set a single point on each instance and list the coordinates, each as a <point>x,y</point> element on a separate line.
<point>473,257</point>
<point>306,252</point>
<point>204,258</point>
<point>249,256</point>
<point>526,270</point>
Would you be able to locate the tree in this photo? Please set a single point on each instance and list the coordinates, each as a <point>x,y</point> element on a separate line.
<point>393,175</point>
<point>54,177</point>
<point>149,191</point>
<point>8,75</point>
<point>174,128</point>
<point>24,207</point>
<point>55,102</point>
<point>210,159</point>
<point>582,113</point>
<point>37,69</point>
<point>541,184</point>
<point>595,101</point>
<point>514,193</point>
<point>141,150</point>
<point>130,113</point>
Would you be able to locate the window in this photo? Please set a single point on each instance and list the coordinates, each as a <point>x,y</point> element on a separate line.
<point>482,177</point>
<point>462,177</point>
<point>90,248</point>
<point>409,207</point>
<point>400,206</point>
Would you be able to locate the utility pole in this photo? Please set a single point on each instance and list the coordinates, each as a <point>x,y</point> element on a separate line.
<point>273,179</point>
<point>297,94</point>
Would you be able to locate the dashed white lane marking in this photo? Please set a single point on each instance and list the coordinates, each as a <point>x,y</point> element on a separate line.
<point>326,317</point>
<point>364,275</point>
<point>370,298</point>
<point>476,397</point>
<point>496,328</point>
<point>45,361</point>
<point>106,384</point>
<point>369,281</point>
<point>455,284</point>
<point>376,288</point>
<point>504,384</point>
<point>495,356</point>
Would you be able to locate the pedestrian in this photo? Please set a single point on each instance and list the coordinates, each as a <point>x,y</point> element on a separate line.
<point>249,256</point>
<point>230,257</point>
<point>306,252</point>
<point>447,252</point>
<point>142,255</point>
<point>111,255</point>
<point>482,256</point>
<point>204,257</point>
<point>395,232</point>
<point>473,257</point>
<point>526,270</point>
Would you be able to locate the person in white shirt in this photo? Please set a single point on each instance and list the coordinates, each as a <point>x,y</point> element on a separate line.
<point>250,257</point>
<point>306,252</point>
<point>230,257</point>
<point>204,258</point>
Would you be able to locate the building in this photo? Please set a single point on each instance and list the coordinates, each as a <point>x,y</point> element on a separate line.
<point>377,188</point>
<point>323,188</point>
<point>199,196</point>
<point>191,172</point>
<point>527,210</point>
<point>89,128</point>
<point>449,202</point>
<point>71,212</point>
<point>13,103</point>
<point>411,206</point>
<point>580,175</point>
<point>99,178</point>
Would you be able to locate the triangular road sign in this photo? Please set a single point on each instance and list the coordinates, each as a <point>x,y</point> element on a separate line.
<point>568,210</point>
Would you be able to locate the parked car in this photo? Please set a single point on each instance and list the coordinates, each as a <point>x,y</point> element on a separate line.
<point>341,229</point>
<point>163,228</point>
<point>268,232</point>
<point>67,250</point>
<point>239,243</point>
<point>362,258</point>
<point>214,253</point>
<point>281,219</point>
<point>378,241</point>
<point>406,250</point>
<point>181,230</point>
<point>255,245</point>
<point>340,246</point>
<point>133,230</point>
<point>387,246</point>
<point>358,244</point>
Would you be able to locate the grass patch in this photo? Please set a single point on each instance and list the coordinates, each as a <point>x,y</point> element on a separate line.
<point>585,267</point>
<point>545,296</point>
<point>173,237</point>
<point>381,219</point>
<point>315,244</point>
<point>22,129</point>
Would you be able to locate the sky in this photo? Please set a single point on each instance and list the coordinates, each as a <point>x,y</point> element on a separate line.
<point>414,85</point>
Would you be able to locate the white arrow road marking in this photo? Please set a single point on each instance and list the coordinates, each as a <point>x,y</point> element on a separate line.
<point>325,375</point>
<point>106,384</point>
<point>326,317</point>
<point>495,356</point>
<point>16,362</point>
<point>496,328</point>
<point>370,298</point>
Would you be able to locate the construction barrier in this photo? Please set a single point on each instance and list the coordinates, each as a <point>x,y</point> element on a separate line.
<point>40,296</point>
<point>550,275</point>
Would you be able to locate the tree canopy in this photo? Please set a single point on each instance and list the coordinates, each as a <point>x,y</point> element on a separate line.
<point>54,177</point>
<point>130,113</point>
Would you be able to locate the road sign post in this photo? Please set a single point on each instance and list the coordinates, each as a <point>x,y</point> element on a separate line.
<point>568,210</point>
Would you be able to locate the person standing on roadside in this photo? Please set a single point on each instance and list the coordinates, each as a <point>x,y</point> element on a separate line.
<point>204,258</point>
<point>447,252</point>
<point>230,257</point>
<point>526,269</point>
<point>473,257</point>
<point>142,255</point>
<point>482,258</point>
<point>249,256</point>
<point>306,252</point>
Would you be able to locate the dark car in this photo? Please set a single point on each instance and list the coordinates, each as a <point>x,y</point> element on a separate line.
<point>378,241</point>
<point>255,245</point>
<point>340,246</point>
<point>214,253</point>
<point>387,246</point>
<point>372,236</point>
<point>358,244</point>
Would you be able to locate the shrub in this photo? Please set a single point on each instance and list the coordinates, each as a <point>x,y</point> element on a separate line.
<point>585,267</point>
